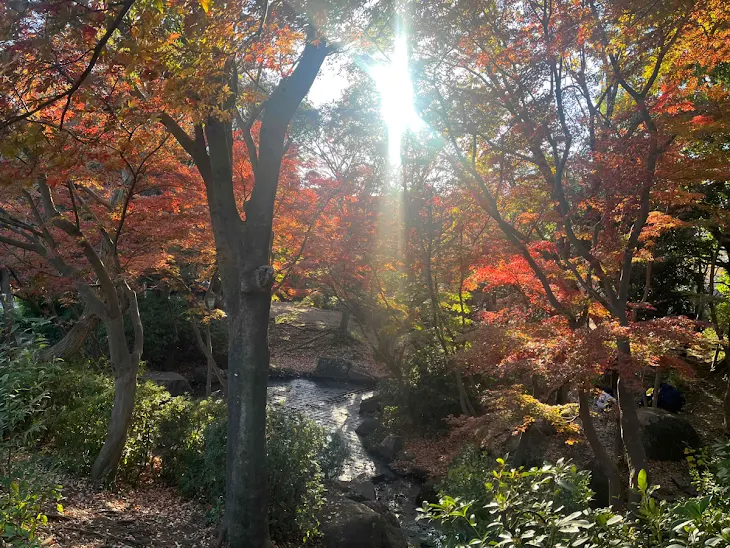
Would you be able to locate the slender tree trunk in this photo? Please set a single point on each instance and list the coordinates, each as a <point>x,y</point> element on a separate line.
<point>726,404</point>
<point>629,422</point>
<point>206,347</point>
<point>6,299</point>
<point>344,322</point>
<point>74,340</point>
<point>657,385</point>
<point>125,390</point>
<point>209,359</point>
<point>126,366</point>
<point>605,461</point>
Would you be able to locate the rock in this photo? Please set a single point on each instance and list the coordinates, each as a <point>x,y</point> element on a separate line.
<point>665,435</point>
<point>346,523</point>
<point>367,427</point>
<point>383,474</point>
<point>362,491</point>
<point>342,370</point>
<point>359,376</point>
<point>333,368</point>
<point>389,447</point>
<point>427,493</point>
<point>174,383</point>
<point>370,405</point>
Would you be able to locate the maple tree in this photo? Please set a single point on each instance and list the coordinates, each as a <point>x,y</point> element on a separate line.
<point>559,118</point>
<point>92,206</point>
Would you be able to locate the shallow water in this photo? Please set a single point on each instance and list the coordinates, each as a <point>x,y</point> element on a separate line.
<point>336,405</point>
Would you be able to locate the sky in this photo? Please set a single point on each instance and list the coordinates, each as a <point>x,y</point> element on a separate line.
<point>330,83</point>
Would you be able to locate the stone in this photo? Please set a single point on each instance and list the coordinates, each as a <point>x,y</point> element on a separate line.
<point>361,491</point>
<point>665,435</point>
<point>339,369</point>
<point>358,375</point>
<point>346,523</point>
<point>370,405</point>
<point>383,474</point>
<point>367,427</point>
<point>389,447</point>
<point>333,368</point>
<point>174,383</point>
<point>427,493</point>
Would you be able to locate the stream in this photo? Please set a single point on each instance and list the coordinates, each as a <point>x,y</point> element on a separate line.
<point>336,405</point>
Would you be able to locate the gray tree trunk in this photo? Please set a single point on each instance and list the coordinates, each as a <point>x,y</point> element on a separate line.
<point>605,461</point>
<point>242,249</point>
<point>629,422</point>
<point>74,340</point>
<point>126,366</point>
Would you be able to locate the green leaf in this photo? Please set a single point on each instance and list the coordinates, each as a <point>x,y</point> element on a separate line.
<point>642,480</point>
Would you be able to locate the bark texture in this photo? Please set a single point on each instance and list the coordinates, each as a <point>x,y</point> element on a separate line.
<point>605,461</point>
<point>243,249</point>
<point>74,340</point>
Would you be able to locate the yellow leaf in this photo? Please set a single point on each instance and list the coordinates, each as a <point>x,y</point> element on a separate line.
<point>205,4</point>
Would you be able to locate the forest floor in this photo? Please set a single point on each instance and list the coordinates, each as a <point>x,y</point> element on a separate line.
<point>301,334</point>
<point>151,515</point>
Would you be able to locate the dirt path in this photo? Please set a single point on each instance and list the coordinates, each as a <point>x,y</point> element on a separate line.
<point>148,516</point>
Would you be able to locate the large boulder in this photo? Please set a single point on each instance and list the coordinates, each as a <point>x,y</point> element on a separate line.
<point>174,383</point>
<point>339,369</point>
<point>370,405</point>
<point>389,447</point>
<point>367,427</point>
<point>666,436</point>
<point>333,368</point>
<point>346,523</point>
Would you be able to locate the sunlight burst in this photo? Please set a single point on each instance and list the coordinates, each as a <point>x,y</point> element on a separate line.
<point>396,95</point>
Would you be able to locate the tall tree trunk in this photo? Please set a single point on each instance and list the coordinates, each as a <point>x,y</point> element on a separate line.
<point>126,366</point>
<point>243,249</point>
<point>599,451</point>
<point>247,496</point>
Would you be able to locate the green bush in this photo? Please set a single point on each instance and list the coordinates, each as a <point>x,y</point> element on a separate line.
<point>24,398</point>
<point>24,395</point>
<point>25,492</point>
<point>81,402</point>
<point>301,454</point>
<point>548,507</point>
<point>182,440</point>
<point>426,396</point>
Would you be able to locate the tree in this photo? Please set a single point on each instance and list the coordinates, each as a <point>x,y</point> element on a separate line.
<point>84,201</point>
<point>550,112</point>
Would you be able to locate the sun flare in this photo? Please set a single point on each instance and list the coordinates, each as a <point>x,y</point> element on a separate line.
<point>396,97</point>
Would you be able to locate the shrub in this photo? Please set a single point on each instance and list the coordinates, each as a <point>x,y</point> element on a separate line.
<point>24,396</point>
<point>81,402</point>
<point>24,493</point>
<point>549,507</point>
<point>426,396</point>
<point>192,446</point>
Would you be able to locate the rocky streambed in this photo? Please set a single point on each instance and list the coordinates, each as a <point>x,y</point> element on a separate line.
<point>366,477</point>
